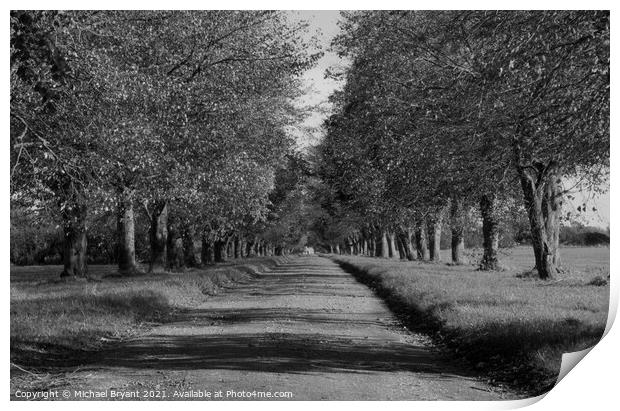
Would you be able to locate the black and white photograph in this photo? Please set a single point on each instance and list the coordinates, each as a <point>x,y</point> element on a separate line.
<point>308,205</point>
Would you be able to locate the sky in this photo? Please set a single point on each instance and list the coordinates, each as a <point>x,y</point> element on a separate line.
<point>597,218</point>
<point>324,23</point>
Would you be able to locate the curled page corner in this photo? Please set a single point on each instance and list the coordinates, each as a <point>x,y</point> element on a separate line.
<point>569,361</point>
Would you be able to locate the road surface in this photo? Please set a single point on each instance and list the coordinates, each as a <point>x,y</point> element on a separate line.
<point>305,331</point>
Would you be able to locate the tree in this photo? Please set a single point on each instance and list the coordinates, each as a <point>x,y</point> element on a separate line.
<point>469,104</point>
<point>545,86</point>
<point>58,112</point>
<point>185,113</point>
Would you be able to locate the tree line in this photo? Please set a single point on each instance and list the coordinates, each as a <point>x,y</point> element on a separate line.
<point>445,112</point>
<point>175,119</point>
<point>172,127</point>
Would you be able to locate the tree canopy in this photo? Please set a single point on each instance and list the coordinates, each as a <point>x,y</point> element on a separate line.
<point>463,107</point>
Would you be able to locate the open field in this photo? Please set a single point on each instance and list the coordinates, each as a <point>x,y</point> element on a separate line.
<point>53,320</point>
<point>579,263</point>
<point>513,326</point>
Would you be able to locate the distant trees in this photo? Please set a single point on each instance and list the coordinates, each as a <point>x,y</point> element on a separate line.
<point>580,235</point>
<point>445,110</point>
<point>180,115</point>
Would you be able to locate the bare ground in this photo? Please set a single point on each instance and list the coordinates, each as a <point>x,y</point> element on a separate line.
<point>307,327</point>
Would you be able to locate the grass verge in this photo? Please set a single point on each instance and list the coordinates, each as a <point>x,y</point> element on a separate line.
<point>55,322</point>
<point>514,329</point>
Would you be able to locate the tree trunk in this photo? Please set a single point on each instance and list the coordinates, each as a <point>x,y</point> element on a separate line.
<point>256,251</point>
<point>220,251</point>
<point>177,260</point>
<point>543,201</point>
<point>236,247</point>
<point>230,245</point>
<point>458,246</point>
<point>74,241</point>
<point>409,250</point>
<point>208,251</point>
<point>126,233</point>
<point>250,248</point>
<point>392,245</point>
<point>385,247</point>
<point>192,246</point>
<point>456,225</point>
<point>434,236</point>
<point>490,232</point>
<point>176,256</point>
<point>421,242</point>
<point>159,237</point>
<point>261,249</point>
<point>402,254</point>
<point>242,247</point>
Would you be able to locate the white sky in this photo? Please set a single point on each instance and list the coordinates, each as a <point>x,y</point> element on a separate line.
<point>598,218</point>
<point>325,24</point>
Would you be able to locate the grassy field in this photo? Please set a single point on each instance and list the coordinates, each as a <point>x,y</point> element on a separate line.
<point>510,324</point>
<point>53,320</point>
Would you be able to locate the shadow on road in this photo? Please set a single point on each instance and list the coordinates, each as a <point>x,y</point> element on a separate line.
<point>273,352</point>
<point>315,339</point>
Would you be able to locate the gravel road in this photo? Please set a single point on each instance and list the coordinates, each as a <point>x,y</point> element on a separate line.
<point>304,331</point>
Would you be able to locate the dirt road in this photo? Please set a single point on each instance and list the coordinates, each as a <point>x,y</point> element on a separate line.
<point>307,328</point>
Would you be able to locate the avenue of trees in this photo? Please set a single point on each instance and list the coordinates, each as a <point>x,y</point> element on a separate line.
<point>447,116</point>
<point>169,123</point>
<point>162,136</point>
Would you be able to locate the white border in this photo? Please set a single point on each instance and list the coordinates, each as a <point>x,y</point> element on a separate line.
<point>592,385</point>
